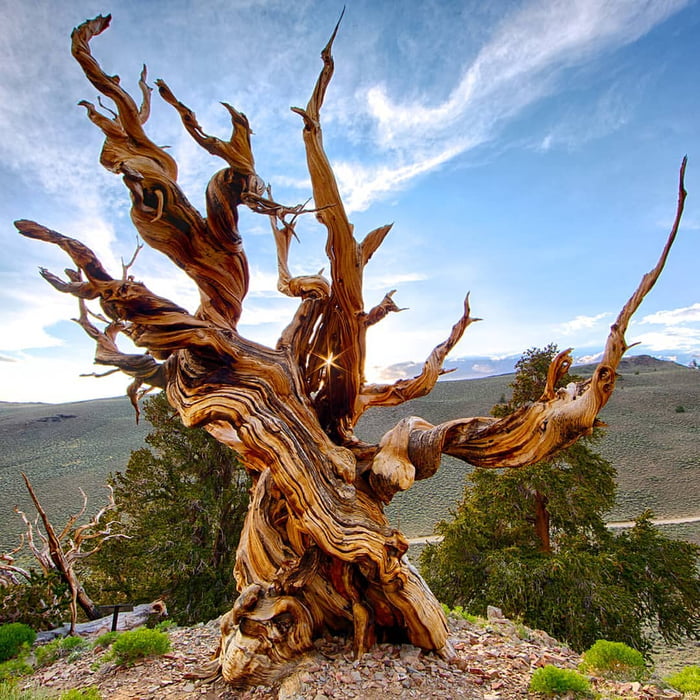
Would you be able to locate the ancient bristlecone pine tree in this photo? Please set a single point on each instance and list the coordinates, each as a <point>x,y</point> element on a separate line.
<point>317,552</point>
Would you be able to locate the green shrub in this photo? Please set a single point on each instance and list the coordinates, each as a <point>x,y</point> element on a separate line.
<point>14,668</point>
<point>69,648</point>
<point>680,409</point>
<point>13,637</point>
<point>106,639</point>
<point>138,644</point>
<point>165,625</point>
<point>614,660</point>
<point>552,681</point>
<point>89,693</point>
<point>459,611</point>
<point>42,602</point>
<point>687,680</point>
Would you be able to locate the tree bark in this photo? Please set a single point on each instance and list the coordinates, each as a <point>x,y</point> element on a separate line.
<point>542,522</point>
<point>317,552</point>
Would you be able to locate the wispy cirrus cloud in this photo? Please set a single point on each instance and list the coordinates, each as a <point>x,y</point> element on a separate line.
<point>363,184</point>
<point>388,281</point>
<point>522,62</point>
<point>610,112</point>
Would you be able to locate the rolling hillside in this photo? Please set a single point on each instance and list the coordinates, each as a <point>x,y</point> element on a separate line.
<point>61,447</point>
<point>654,445</point>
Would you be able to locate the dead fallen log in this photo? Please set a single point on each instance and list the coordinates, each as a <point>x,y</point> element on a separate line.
<point>140,615</point>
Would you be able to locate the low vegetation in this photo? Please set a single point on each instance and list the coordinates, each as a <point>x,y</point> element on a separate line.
<point>105,640</point>
<point>552,681</point>
<point>89,693</point>
<point>614,660</point>
<point>461,613</point>
<point>137,644</point>
<point>69,648</point>
<point>10,691</point>
<point>687,680</point>
<point>13,638</point>
<point>15,668</point>
<point>126,649</point>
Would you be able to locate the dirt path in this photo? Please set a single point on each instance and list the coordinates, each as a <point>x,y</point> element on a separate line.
<point>618,525</point>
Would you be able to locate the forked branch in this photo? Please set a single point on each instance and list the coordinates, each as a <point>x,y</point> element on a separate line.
<point>61,551</point>
<point>539,430</point>
<point>406,389</point>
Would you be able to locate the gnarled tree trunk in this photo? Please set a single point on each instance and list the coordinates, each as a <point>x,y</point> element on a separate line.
<point>317,552</point>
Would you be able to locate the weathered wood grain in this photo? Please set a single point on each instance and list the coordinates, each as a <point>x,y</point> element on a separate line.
<point>317,552</point>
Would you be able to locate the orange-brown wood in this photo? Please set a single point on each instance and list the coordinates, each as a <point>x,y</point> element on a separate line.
<point>317,552</point>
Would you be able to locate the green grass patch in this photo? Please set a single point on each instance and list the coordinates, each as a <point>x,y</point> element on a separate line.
<point>553,681</point>
<point>105,640</point>
<point>165,625</point>
<point>10,691</point>
<point>138,644</point>
<point>615,660</point>
<point>90,693</point>
<point>69,648</point>
<point>459,611</point>
<point>13,638</point>
<point>14,668</point>
<point>687,680</point>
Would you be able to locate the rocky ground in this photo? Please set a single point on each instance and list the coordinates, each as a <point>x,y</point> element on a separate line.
<point>495,661</point>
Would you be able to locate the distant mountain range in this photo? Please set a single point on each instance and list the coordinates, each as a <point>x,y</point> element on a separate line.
<point>478,367</point>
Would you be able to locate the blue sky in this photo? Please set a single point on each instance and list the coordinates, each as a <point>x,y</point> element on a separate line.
<point>525,151</point>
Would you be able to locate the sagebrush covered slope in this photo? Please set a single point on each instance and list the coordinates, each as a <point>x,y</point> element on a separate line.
<point>651,442</point>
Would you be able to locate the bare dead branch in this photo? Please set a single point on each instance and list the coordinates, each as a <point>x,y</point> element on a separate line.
<point>127,266</point>
<point>385,307</point>
<point>372,241</point>
<point>406,389</point>
<point>10,573</point>
<point>237,151</point>
<point>616,345</point>
<point>317,551</point>
<point>61,551</point>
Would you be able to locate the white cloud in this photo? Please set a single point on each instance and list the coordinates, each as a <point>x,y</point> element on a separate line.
<point>391,281</point>
<point>361,184</point>
<point>519,64</point>
<point>588,359</point>
<point>672,317</point>
<point>263,283</point>
<point>672,339</point>
<point>29,312</point>
<point>526,50</point>
<point>581,322</point>
<point>577,127</point>
<point>56,380</point>
<point>279,312</point>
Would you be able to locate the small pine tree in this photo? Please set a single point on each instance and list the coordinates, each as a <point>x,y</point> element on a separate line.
<point>533,542</point>
<point>183,503</point>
